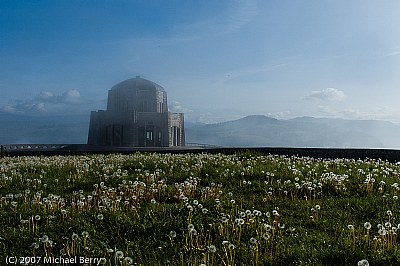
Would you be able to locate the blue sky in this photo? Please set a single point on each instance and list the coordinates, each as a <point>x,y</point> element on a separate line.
<point>218,60</point>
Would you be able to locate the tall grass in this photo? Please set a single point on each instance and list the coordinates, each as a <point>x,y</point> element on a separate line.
<point>203,209</point>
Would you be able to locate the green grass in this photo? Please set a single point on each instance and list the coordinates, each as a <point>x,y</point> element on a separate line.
<point>163,209</point>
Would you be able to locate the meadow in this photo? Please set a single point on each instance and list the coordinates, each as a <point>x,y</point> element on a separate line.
<point>199,209</point>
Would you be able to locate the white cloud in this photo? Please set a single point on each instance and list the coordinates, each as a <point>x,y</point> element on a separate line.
<point>328,94</point>
<point>280,115</point>
<point>210,118</point>
<point>43,102</point>
<point>394,53</point>
<point>45,95</point>
<point>348,113</point>
<point>385,113</point>
<point>177,107</point>
<point>24,107</point>
<point>71,96</point>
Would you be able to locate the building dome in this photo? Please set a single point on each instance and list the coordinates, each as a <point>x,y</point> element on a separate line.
<point>136,116</point>
<point>137,94</point>
<point>137,83</point>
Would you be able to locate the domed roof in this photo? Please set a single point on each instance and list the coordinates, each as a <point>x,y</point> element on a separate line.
<point>137,83</point>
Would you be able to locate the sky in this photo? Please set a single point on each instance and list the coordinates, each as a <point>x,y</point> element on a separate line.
<point>217,60</point>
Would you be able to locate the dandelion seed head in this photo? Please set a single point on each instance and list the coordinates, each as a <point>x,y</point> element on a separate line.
<point>367,225</point>
<point>240,221</point>
<point>224,219</point>
<point>119,254</point>
<point>253,240</point>
<point>85,234</point>
<point>172,234</point>
<point>382,232</point>
<point>74,236</point>
<point>128,260</point>
<point>44,239</point>
<point>363,263</point>
<point>212,249</point>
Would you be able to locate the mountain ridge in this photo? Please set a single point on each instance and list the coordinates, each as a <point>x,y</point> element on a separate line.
<point>260,130</point>
<point>249,131</point>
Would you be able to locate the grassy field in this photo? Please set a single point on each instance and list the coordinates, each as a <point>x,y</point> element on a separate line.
<point>203,209</point>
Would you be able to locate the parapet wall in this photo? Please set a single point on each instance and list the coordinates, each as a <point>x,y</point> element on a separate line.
<point>9,149</point>
<point>80,149</point>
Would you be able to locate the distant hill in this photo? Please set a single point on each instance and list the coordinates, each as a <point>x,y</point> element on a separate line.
<point>250,131</point>
<point>259,130</point>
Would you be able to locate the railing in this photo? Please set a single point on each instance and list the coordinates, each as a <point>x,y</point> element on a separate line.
<point>201,145</point>
<point>30,147</point>
<point>52,149</point>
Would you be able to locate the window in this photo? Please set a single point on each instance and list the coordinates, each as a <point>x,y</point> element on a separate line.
<point>149,135</point>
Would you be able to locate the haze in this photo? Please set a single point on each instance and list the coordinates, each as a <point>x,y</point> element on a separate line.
<point>218,60</point>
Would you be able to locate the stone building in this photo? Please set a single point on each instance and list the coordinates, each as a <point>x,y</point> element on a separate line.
<point>136,116</point>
